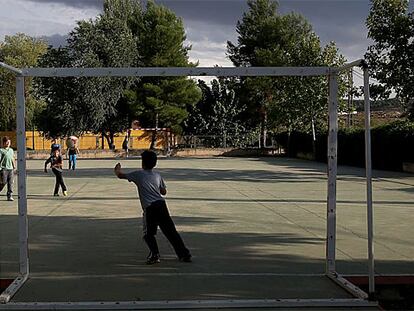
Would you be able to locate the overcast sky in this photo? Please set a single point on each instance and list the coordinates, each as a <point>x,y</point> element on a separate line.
<point>208,23</point>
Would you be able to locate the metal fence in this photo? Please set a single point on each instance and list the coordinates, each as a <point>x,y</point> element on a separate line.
<point>245,140</point>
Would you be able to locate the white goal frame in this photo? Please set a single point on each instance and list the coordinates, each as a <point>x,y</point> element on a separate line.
<point>361,298</point>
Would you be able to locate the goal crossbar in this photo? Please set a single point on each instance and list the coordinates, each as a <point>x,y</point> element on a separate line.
<point>332,74</point>
<point>176,71</point>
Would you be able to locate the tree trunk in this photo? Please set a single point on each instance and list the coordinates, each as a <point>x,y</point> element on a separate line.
<point>154,133</point>
<point>288,143</point>
<point>111,136</point>
<point>264,129</point>
<point>110,140</point>
<point>263,132</point>
<point>313,139</point>
<point>33,137</point>
<point>260,135</point>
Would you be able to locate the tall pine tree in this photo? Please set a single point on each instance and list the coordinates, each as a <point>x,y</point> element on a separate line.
<point>161,101</point>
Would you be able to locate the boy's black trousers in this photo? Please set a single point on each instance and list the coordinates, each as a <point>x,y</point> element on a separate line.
<point>157,215</point>
<point>59,181</point>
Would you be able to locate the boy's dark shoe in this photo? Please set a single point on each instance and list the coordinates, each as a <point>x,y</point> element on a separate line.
<point>153,260</point>
<point>186,259</point>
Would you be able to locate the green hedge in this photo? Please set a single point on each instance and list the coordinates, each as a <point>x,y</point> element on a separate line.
<point>392,144</point>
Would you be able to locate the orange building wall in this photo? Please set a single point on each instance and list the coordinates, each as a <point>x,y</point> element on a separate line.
<point>139,139</point>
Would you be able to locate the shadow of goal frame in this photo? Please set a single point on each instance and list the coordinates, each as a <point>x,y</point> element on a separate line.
<point>361,298</point>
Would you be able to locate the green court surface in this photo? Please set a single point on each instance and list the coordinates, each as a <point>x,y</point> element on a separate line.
<point>256,228</point>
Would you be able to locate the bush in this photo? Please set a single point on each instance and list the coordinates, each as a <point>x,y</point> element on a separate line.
<point>391,145</point>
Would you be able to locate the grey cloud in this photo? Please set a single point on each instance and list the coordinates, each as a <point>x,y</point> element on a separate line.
<point>339,21</point>
<point>209,42</point>
<point>212,12</point>
<point>208,59</point>
<point>333,20</point>
<point>215,12</point>
<point>55,40</point>
<point>197,31</point>
<point>74,3</point>
<point>215,21</point>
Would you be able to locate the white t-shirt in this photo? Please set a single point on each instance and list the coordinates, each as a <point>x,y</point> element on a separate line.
<point>149,183</point>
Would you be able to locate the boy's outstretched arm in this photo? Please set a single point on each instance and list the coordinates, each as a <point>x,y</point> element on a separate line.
<point>118,172</point>
<point>163,188</point>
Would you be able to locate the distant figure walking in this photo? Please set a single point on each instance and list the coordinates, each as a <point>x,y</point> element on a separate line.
<point>73,151</point>
<point>56,164</point>
<point>125,144</point>
<point>151,188</point>
<point>7,167</point>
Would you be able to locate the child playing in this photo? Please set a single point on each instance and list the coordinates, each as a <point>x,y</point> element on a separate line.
<point>56,162</point>
<point>151,187</point>
<point>7,167</point>
<point>73,152</point>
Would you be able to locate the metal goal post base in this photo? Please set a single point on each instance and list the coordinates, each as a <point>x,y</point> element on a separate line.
<point>189,304</point>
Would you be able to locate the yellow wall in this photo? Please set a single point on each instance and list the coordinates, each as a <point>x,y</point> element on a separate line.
<point>140,139</point>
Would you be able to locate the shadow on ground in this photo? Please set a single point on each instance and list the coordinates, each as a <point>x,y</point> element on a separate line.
<point>81,245</point>
<point>87,258</point>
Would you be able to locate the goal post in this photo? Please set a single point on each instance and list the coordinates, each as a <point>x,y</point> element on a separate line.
<point>332,172</point>
<point>176,71</point>
<point>330,72</point>
<point>368,168</point>
<point>22,198</point>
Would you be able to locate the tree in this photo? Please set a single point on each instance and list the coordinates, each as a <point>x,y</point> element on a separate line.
<point>391,57</point>
<point>217,113</point>
<point>258,45</point>
<point>92,104</point>
<point>106,42</point>
<point>63,113</point>
<point>267,38</point>
<point>160,39</point>
<point>122,36</point>
<point>19,51</point>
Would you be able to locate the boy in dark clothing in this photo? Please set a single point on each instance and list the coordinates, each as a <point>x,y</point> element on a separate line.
<point>56,163</point>
<point>151,187</point>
